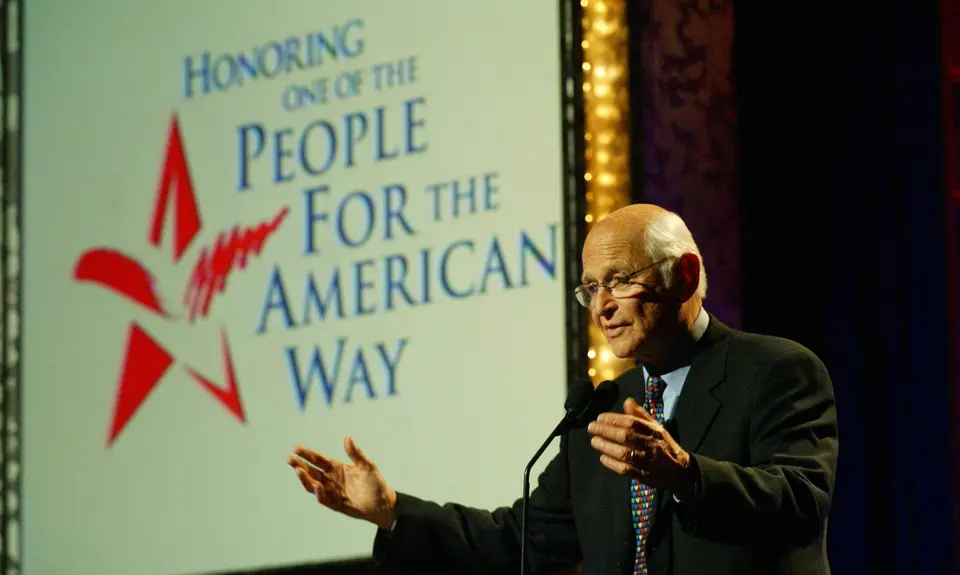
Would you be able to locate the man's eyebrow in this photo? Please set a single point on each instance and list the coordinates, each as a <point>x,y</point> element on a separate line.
<point>607,271</point>
<point>587,278</point>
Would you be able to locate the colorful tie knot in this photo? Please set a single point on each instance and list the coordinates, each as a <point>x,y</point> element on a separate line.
<point>655,387</point>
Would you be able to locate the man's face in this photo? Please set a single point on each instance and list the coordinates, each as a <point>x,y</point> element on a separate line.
<point>630,324</point>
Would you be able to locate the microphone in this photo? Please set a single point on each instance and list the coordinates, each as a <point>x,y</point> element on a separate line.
<point>583,405</point>
<point>577,401</point>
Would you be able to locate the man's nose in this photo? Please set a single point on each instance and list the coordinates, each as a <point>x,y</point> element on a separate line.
<point>604,303</point>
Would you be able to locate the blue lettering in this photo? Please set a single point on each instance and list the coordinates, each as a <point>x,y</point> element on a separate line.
<point>276,299</point>
<point>296,96</point>
<point>275,54</point>
<point>396,281</point>
<point>368,214</point>
<point>245,152</point>
<point>321,143</point>
<point>380,153</point>
<point>312,299</point>
<point>390,364</point>
<point>425,275</point>
<point>302,383</point>
<point>312,216</point>
<point>527,247</point>
<point>495,265</point>
<point>467,195</point>
<point>488,191</point>
<point>330,148</point>
<point>293,97</point>
<point>435,190</point>
<point>413,124</point>
<point>394,211</point>
<point>444,273</point>
<point>362,285</point>
<point>359,375</point>
<point>292,53</point>
<point>327,373</point>
<point>245,64</point>
<point>354,138</point>
<point>344,46</point>
<point>282,152</point>
<point>190,74</point>
<point>224,71</point>
<point>390,282</point>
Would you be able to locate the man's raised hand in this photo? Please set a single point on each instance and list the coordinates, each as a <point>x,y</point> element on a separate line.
<point>357,490</point>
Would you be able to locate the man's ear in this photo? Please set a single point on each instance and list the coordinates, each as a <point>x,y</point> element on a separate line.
<point>687,276</point>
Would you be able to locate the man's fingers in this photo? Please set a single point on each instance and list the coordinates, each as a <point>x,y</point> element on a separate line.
<point>317,483</point>
<point>611,432</point>
<point>315,458</point>
<point>631,407</point>
<point>313,472</point>
<point>632,431</point>
<point>323,490</point>
<point>301,467</point>
<point>355,454</point>
<point>326,496</point>
<point>639,473</point>
<point>296,463</point>
<point>614,450</point>
<point>628,421</point>
<point>637,454</point>
<point>309,483</point>
<point>615,465</point>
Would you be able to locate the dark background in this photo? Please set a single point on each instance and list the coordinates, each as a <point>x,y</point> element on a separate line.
<point>844,249</point>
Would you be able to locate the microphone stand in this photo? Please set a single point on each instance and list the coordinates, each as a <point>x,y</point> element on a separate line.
<point>566,421</point>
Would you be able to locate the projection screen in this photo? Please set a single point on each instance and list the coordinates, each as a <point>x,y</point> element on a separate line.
<point>252,225</point>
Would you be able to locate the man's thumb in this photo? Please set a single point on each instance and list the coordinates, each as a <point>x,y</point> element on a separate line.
<point>354,453</point>
<point>631,407</point>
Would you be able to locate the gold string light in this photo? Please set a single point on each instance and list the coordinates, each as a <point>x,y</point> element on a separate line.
<point>606,109</point>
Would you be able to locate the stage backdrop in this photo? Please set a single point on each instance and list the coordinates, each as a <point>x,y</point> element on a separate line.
<point>250,225</point>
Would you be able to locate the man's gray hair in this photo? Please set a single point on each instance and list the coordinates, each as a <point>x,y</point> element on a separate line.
<point>667,236</point>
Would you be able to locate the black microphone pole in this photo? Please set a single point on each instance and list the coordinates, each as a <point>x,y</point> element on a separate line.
<point>567,420</point>
<point>583,406</point>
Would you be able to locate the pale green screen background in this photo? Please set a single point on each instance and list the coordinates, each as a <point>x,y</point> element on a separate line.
<point>186,487</point>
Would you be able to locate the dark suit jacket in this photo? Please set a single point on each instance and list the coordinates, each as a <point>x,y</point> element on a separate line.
<point>758,415</point>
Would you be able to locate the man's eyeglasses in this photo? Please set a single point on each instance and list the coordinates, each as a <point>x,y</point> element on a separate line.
<point>620,286</point>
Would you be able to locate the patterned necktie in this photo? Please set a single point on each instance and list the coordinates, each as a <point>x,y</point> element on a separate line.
<point>641,496</point>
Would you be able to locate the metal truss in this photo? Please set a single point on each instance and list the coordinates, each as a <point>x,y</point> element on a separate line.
<point>574,188</point>
<point>11,251</point>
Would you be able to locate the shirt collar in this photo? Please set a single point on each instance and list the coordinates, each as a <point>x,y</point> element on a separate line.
<point>700,324</point>
<point>674,379</point>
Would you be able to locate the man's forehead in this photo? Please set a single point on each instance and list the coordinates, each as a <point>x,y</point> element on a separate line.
<point>612,249</point>
<point>599,268</point>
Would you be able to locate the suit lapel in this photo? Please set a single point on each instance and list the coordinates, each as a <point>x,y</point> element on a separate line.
<point>697,406</point>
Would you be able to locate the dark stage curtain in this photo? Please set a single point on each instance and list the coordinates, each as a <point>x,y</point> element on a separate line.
<point>844,249</point>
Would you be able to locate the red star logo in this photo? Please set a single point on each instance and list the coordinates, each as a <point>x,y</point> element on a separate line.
<point>145,361</point>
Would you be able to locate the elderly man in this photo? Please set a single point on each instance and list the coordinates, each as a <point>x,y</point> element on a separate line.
<point>721,461</point>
